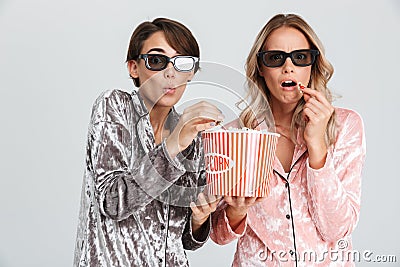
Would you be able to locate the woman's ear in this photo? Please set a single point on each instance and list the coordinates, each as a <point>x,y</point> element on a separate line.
<point>189,79</point>
<point>259,71</point>
<point>133,68</point>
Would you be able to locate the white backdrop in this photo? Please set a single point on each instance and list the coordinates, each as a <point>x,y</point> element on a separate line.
<point>57,56</point>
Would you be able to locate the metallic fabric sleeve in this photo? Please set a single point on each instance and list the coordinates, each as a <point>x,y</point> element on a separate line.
<point>189,241</point>
<point>135,197</point>
<point>192,243</point>
<point>119,187</point>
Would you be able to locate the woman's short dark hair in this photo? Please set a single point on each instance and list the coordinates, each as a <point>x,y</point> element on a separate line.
<point>178,36</point>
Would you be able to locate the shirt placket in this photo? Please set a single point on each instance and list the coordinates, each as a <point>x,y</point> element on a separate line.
<point>289,253</point>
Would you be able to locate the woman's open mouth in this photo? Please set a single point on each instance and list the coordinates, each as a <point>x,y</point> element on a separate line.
<point>289,84</point>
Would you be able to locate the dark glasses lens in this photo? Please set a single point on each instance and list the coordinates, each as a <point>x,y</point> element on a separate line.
<point>301,58</point>
<point>157,62</point>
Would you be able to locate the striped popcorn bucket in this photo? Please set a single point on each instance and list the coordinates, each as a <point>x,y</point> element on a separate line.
<point>239,162</point>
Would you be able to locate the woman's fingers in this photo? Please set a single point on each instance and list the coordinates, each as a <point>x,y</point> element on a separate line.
<point>199,117</point>
<point>204,126</point>
<point>310,94</point>
<point>316,111</point>
<point>204,205</point>
<point>195,210</point>
<point>203,115</point>
<point>201,200</point>
<point>260,199</point>
<point>199,120</point>
<point>212,202</point>
<point>203,110</point>
<point>240,202</point>
<point>317,107</point>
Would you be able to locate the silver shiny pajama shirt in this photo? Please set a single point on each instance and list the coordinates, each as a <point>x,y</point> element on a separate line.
<point>134,206</point>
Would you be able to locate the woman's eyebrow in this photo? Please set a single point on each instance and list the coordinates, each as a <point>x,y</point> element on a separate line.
<point>156,49</point>
<point>160,50</point>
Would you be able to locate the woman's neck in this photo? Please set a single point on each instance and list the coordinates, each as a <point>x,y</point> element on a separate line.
<point>283,115</point>
<point>158,116</point>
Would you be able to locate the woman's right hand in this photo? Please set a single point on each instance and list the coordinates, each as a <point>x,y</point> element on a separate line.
<point>237,208</point>
<point>196,118</point>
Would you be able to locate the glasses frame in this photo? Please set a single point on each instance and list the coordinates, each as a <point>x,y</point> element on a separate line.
<point>314,53</point>
<point>145,57</point>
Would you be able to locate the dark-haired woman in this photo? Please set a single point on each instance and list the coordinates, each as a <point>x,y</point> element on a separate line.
<point>144,160</point>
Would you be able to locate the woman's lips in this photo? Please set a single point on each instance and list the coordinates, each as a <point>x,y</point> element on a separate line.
<point>289,84</point>
<point>168,91</point>
<point>289,88</point>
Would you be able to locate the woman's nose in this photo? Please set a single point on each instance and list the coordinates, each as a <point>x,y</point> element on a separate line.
<point>288,66</point>
<point>170,71</point>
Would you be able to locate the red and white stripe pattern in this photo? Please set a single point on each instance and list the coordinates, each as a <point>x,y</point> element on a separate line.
<point>239,163</point>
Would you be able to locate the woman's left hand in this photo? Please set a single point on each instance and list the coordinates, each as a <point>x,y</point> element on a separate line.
<point>317,111</point>
<point>202,210</point>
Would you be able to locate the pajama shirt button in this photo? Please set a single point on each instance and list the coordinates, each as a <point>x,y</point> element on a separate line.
<point>162,226</point>
<point>287,216</point>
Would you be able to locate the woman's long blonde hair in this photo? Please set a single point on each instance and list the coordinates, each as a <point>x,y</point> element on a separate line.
<point>258,92</point>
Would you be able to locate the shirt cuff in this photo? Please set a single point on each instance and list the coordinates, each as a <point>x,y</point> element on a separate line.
<point>174,161</point>
<point>313,175</point>
<point>328,162</point>
<point>240,230</point>
<point>204,231</point>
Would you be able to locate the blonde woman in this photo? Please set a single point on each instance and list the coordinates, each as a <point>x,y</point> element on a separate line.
<point>314,204</point>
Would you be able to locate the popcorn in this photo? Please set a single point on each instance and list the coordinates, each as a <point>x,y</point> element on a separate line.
<point>239,162</point>
<point>300,86</point>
